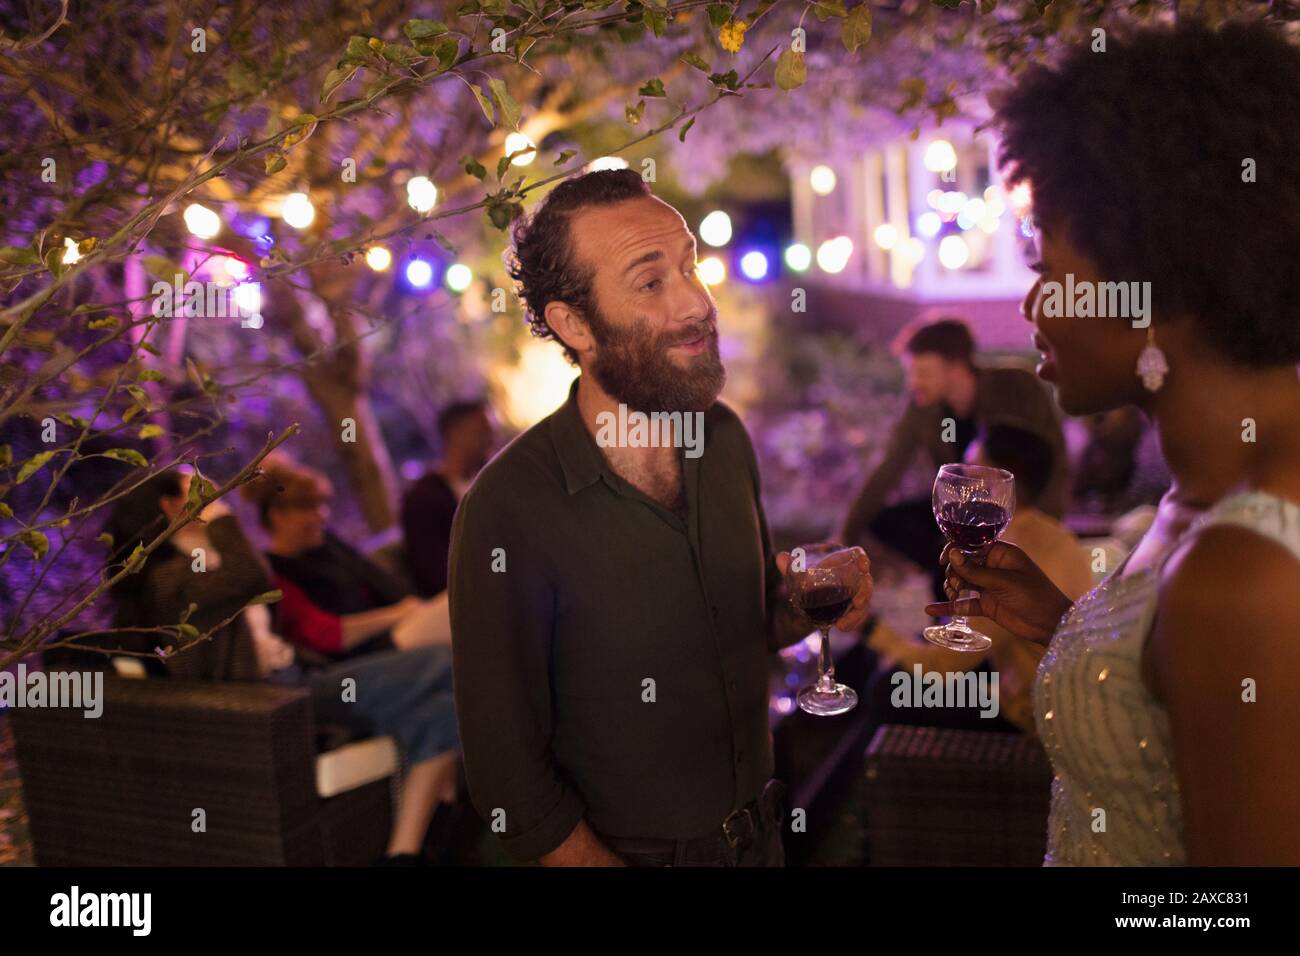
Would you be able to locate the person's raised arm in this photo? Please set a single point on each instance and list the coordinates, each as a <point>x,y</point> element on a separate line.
<point>903,443</point>
<point>503,610</point>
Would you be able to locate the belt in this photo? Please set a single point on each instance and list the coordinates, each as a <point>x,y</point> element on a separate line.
<point>737,830</point>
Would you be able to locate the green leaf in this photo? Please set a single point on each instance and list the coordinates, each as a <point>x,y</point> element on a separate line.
<point>681,134</point>
<point>503,213</point>
<point>730,80</point>
<point>128,455</point>
<point>502,165</point>
<point>150,375</point>
<point>825,9</point>
<point>6,511</point>
<point>505,102</point>
<point>54,261</point>
<point>139,394</point>
<point>633,114</point>
<point>36,542</point>
<point>791,71</point>
<point>6,456</point>
<point>32,465</point>
<point>856,29</point>
<point>107,322</point>
<point>417,30</point>
<point>275,162</point>
<point>656,21</point>
<point>697,61</point>
<point>474,167</point>
<point>396,53</point>
<point>446,50</point>
<point>485,104</point>
<point>189,630</point>
<point>150,431</point>
<point>17,256</point>
<point>266,597</point>
<point>105,539</point>
<point>334,79</point>
<point>358,50</point>
<point>565,156</point>
<point>719,13</point>
<point>654,87</point>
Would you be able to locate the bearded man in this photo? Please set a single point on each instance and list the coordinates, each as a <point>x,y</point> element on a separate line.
<point>613,604</point>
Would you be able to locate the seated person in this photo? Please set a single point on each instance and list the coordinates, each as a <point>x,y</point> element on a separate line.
<point>952,397</point>
<point>428,507</point>
<point>1049,543</point>
<point>336,603</point>
<point>210,564</point>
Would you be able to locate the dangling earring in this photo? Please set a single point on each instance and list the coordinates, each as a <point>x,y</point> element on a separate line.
<point>1152,365</point>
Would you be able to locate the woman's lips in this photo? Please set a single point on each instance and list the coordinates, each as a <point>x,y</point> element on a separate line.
<point>1047,367</point>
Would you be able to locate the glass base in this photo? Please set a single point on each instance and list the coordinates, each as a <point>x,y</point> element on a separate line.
<point>957,638</point>
<point>827,703</point>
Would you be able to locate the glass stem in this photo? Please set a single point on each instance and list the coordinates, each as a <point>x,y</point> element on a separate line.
<point>826,682</point>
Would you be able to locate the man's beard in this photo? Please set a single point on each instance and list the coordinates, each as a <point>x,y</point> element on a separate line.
<point>637,369</point>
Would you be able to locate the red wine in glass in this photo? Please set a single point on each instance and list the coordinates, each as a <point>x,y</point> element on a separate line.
<point>972,525</point>
<point>822,579</point>
<point>973,506</point>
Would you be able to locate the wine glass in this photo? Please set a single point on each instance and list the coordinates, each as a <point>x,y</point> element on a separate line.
<point>822,580</point>
<point>973,505</point>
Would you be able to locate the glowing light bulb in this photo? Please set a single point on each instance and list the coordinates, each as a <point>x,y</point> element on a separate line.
<point>928,224</point>
<point>940,156</point>
<point>886,235</point>
<point>516,142</point>
<point>798,256</point>
<point>71,253</point>
<point>419,273</point>
<point>298,211</point>
<point>834,254</point>
<point>953,252</point>
<point>379,258</point>
<point>201,221</point>
<point>713,271</point>
<point>754,265</point>
<point>822,180</point>
<point>716,228</point>
<point>606,162</point>
<point>421,193</point>
<point>459,276</point>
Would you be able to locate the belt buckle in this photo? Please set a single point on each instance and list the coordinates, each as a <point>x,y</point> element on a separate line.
<point>734,839</point>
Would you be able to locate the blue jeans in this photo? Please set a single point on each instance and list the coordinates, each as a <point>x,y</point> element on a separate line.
<point>401,694</point>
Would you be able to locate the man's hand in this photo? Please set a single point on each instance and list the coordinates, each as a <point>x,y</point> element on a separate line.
<point>860,609</point>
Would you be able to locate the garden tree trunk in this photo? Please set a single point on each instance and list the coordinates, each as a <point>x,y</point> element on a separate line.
<point>366,460</point>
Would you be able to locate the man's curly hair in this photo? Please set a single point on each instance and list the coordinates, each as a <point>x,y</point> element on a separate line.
<point>541,261</point>
<point>1137,153</point>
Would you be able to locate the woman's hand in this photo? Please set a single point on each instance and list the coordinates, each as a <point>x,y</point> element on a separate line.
<point>1013,592</point>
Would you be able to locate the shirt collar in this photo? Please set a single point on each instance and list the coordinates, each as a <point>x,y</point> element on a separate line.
<point>580,459</point>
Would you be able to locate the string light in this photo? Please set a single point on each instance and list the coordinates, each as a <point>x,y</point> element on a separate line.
<point>421,193</point>
<point>298,211</point>
<point>201,221</point>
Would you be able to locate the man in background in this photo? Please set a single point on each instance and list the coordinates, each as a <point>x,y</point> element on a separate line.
<point>428,508</point>
<point>952,398</point>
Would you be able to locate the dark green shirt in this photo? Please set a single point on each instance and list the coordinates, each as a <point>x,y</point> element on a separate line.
<point>570,591</point>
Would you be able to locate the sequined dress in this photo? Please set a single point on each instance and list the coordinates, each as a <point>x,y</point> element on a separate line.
<point>1107,736</point>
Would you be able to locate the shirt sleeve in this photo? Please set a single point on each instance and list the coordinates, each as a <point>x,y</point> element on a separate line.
<point>304,622</point>
<point>903,443</point>
<point>502,614</point>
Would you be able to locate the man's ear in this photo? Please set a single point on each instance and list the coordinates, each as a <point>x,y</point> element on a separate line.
<point>570,326</point>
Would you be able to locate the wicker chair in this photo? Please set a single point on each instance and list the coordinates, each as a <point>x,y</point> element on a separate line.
<point>122,789</point>
<point>939,797</point>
